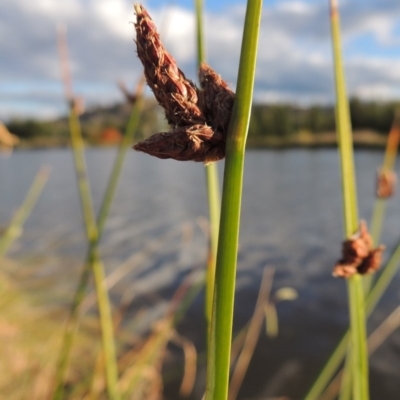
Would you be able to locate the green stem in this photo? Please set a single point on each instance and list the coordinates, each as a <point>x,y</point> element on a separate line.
<point>72,322</point>
<point>14,229</point>
<point>214,211</point>
<point>212,184</point>
<point>125,145</point>
<point>380,203</point>
<point>218,361</point>
<point>383,280</point>
<point>358,353</point>
<point>96,266</point>
<point>345,385</point>
<point>201,52</point>
<point>377,219</point>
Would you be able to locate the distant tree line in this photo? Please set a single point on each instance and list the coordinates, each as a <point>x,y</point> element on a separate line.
<point>268,120</point>
<point>93,123</point>
<point>286,119</point>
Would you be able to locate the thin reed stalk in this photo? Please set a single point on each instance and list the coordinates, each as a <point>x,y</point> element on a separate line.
<point>358,344</point>
<point>357,352</point>
<point>94,262</point>
<point>96,265</point>
<point>218,360</point>
<point>72,322</point>
<point>378,288</point>
<point>378,213</point>
<point>14,228</point>
<point>212,183</point>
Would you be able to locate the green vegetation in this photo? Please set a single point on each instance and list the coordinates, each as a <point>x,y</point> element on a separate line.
<point>36,133</point>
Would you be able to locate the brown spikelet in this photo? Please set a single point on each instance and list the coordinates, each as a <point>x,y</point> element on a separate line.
<point>199,118</point>
<point>196,143</point>
<point>176,94</point>
<point>386,183</point>
<point>77,105</point>
<point>217,98</point>
<point>358,255</point>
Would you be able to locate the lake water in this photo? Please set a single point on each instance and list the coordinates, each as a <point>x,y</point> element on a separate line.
<point>291,221</point>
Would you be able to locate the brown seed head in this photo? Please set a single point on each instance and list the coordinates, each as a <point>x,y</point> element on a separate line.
<point>344,271</point>
<point>217,98</point>
<point>176,94</point>
<point>386,183</point>
<point>372,262</point>
<point>196,143</point>
<point>77,104</point>
<point>199,117</point>
<point>358,255</point>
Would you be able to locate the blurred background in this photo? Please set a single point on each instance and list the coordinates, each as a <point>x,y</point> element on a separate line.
<point>155,239</point>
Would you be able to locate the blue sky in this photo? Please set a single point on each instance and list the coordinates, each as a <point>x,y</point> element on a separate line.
<point>294,62</point>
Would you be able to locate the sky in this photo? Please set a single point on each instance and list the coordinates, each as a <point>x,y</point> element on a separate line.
<point>294,59</point>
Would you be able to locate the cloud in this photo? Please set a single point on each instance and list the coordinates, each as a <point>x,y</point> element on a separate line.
<point>294,63</point>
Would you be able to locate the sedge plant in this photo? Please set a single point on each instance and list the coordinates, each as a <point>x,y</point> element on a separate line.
<point>358,357</point>
<point>357,350</point>
<point>378,287</point>
<point>373,297</point>
<point>387,169</point>
<point>218,359</point>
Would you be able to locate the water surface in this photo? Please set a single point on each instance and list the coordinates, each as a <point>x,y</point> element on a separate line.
<point>291,221</point>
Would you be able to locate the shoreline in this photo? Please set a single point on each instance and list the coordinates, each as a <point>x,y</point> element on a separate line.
<point>363,139</point>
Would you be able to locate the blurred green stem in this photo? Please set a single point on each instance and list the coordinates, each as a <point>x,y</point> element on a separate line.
<point>358,357</point>
<point>14,229</point>
<point>212,183</point>
<point>102,217</point>
<point>380,203</point>
<point>96,266</point>
<point>358,344</point>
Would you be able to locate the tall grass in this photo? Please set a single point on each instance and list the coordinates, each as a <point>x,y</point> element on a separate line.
<point>101,220</point>
<point>218,359</point>
<point>94,264</point>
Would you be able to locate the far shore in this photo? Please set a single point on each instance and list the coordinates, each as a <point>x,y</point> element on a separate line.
<point>303,139</point>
